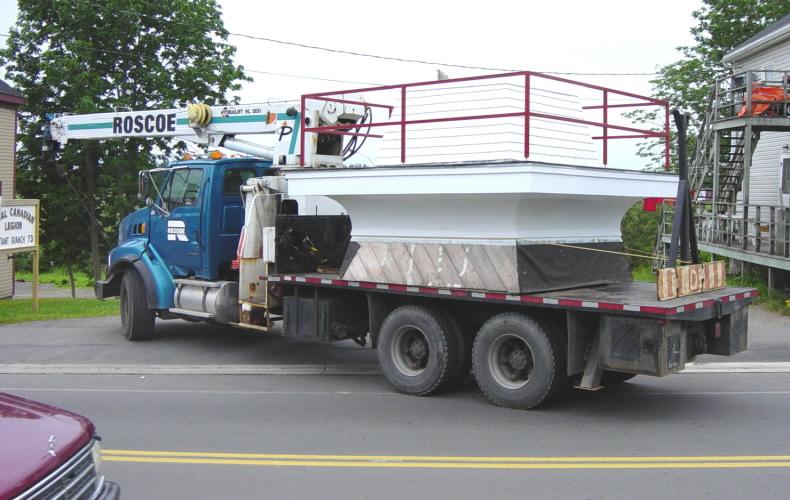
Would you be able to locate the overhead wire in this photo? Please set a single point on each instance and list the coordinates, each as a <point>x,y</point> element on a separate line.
<point>378,56</point>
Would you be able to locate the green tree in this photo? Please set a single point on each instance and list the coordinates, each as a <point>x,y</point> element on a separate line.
<point>639,233</point>
<point>84,56</point>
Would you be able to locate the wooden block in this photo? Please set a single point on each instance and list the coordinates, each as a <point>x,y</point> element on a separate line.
<point>667,283</point>
<point>715,276</point>
<point>689,280</point>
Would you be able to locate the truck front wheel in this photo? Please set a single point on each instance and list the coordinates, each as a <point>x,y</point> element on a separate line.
<point>419,350</point>
<point>136,319</point>
<point>517,363</point>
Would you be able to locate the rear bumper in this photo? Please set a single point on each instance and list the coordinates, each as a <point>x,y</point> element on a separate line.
<point>105,289</point>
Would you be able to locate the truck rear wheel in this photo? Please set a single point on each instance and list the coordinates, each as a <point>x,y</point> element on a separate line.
<point>517,363</point>
<point>419,350</point>
<point>136,319</point>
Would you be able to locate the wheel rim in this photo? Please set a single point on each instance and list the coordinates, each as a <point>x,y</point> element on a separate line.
<point>511,362</point>
<point>410,351</point>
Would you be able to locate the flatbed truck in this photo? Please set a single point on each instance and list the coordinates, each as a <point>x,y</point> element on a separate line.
<point>204,248</point>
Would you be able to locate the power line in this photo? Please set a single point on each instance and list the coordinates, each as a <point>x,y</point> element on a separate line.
<point>308,77</point>
<point>289,75</point>
<point>377,56</point>
<point>419,61</point>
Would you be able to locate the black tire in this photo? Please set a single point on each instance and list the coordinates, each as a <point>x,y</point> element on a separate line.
<point>419,351</point>
<point>517,363</point>
<point>137,320</point>
<point>615,378</point>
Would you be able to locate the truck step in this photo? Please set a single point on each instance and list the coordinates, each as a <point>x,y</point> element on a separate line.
<point>189,312</point>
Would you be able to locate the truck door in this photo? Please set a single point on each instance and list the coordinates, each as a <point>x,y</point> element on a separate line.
<point>232,216</point>
<point>176,231</point>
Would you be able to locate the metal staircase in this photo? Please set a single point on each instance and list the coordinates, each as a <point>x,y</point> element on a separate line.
<point>719,161</point>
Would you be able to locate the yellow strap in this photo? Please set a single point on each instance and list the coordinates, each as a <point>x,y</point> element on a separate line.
<point>651,257</point>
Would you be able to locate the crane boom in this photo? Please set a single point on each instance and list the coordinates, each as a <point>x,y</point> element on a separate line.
<point>215,126</point>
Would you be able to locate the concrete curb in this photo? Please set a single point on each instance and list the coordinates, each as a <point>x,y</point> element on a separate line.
<point>739,367</point>
<point>97,369</point>
<point>314,369</point>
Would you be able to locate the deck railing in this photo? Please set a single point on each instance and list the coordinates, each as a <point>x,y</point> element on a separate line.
<point>752,93</point>
<point>763,229</point>
<point>402,117</point>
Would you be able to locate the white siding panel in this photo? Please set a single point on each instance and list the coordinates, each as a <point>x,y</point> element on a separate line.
<point>5,277</point>
<point>776,57</point>
<point>764,176</point>
<point>7,124</point>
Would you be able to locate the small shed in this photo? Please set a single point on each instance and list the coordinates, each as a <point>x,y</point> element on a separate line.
<point>10,100</point>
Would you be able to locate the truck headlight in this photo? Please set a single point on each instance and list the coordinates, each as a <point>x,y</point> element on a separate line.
<point>96,452</point>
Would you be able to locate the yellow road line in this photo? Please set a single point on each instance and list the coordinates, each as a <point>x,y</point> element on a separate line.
<point>416,458</point>
<point>451,465</point>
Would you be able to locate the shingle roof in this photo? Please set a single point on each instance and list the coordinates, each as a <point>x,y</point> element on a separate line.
<point>9,94</point>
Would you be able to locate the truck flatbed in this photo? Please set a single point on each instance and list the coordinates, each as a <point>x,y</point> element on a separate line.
<point>634,298</point>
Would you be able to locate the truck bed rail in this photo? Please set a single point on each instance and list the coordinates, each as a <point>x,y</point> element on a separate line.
<point>635,298</point>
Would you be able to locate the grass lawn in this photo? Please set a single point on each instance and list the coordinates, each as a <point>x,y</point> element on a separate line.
<point>58,277</point>
<point>643,273</point>
<point>21,310</point>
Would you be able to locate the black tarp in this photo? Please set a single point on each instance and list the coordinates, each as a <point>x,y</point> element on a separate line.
<point>544,267</point>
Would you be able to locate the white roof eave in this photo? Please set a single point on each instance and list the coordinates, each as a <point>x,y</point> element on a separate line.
<point>757,45</point>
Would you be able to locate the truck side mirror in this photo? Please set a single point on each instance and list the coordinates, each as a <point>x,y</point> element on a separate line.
<point>142,187</point>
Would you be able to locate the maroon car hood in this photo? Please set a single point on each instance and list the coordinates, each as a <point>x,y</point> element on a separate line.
<point>25,430</point>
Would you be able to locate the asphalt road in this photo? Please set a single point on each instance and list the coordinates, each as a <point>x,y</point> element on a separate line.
<point>351,437</point>
<point>717,435</point>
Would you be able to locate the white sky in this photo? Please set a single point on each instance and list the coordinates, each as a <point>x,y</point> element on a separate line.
<point>618,36</point>
<point>573,35</point>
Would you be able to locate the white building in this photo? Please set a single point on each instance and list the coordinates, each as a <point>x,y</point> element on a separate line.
<point>743,197</point>
<point>767,50</point>
<point>10,100</point>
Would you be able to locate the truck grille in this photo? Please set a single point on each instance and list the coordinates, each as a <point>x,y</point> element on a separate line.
<point>77,479</point>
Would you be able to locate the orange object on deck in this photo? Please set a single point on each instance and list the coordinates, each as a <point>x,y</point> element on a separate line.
<point>763,97</point>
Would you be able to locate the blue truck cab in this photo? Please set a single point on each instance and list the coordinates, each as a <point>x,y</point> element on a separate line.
<point>189,228</point>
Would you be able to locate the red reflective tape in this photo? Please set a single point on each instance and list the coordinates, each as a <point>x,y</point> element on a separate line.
<point>314,280</point>
<point>429,291</point>
<point>529,298</point>
<point>366,284</point>
<point>656,310</point>
<point>458,293</point>
<point>340,282</point>
<point>496,296</point>
<point>397,288</point>
<point>610,307</point>
<point>570,302</point>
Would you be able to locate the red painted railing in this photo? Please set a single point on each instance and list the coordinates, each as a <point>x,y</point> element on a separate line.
<point>528,112</point>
